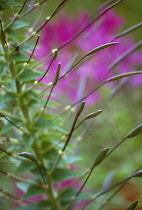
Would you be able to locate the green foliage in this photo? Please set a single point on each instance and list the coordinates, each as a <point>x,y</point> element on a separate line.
<point>34,140</point>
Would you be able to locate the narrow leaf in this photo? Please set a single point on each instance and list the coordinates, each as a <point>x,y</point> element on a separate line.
<point>19,24</point>
<point>101,156</point>
<point>132,205</point>
<point>33,191</point>
<point>101,47</point>
<point>136,131</point>
<point>92,115</point>
<point>120,76</point>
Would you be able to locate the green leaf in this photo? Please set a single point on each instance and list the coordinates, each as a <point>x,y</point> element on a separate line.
<point>133,205</point>
<point>20,58</point>
<point>102,47</point>
<point>29,75</point>
<point>43,123</point>
<point>42,205</point>
<point>25,166</point>
<point>65,174</point>
<point>3,69</point>
<point>51,155</point>
<point>8,5</point>
<point>25,48</point>
<point>136,131</point>
<point>120,76</point>
<point>7,127</point>
<point>67,196</point>
<point>27,207</point>
<point>19,24</point>
<point>12,34</point>
<point>33,191</point>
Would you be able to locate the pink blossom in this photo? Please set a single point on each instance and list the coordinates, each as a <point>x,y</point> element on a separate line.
<point>84,78</point>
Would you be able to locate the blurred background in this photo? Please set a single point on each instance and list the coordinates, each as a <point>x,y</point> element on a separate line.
<point>120,115</point>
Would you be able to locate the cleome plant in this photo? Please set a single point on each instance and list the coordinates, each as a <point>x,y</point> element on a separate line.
<point>38,145</point>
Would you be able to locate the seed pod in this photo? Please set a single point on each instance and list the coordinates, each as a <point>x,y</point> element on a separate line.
<point>28,155</point>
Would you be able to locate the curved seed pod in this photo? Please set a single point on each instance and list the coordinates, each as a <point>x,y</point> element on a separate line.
<point>136,131</point>
<point>92,115</point>
<point>80,109</point>
<point>28,155</point>
<point>57,74</point>
<point>120,76</point>
<point>132,205</point>
<point>97,49</point>
<point>137,174</point>
<point>101,156</point>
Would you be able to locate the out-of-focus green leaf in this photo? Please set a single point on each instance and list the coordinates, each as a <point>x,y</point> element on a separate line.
<point>25,166</point>
<point>43,123</point>
<point>8,5</point>
<point>65,174</point>
<point>19,24</point>
<point>33,191</point>
<point>29,75</point>
<point>20,58</point>
<point>42,205</point>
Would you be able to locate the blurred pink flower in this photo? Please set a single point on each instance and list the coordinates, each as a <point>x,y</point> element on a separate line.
<point>85,77</point>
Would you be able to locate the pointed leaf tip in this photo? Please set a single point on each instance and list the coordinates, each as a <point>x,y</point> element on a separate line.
<point>28,155</point>
<point>132,205</point>
<point>136,131</point>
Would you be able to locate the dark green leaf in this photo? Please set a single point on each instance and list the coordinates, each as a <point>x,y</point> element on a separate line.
<point>25,166</point>
<point>12,34</point>
<point>42,205</point>
<point>29,75</point>
<point>33,191</point>
<point>43,123</point>
<point>25,48</point>
<point>19,24</point>
<point>8,5</point>
<point>20,58</point>
<point>27,207</point>
<point>51,155</point>
<point>65,174</point>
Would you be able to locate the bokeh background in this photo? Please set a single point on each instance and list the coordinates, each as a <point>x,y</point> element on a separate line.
<point>120,115</point>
